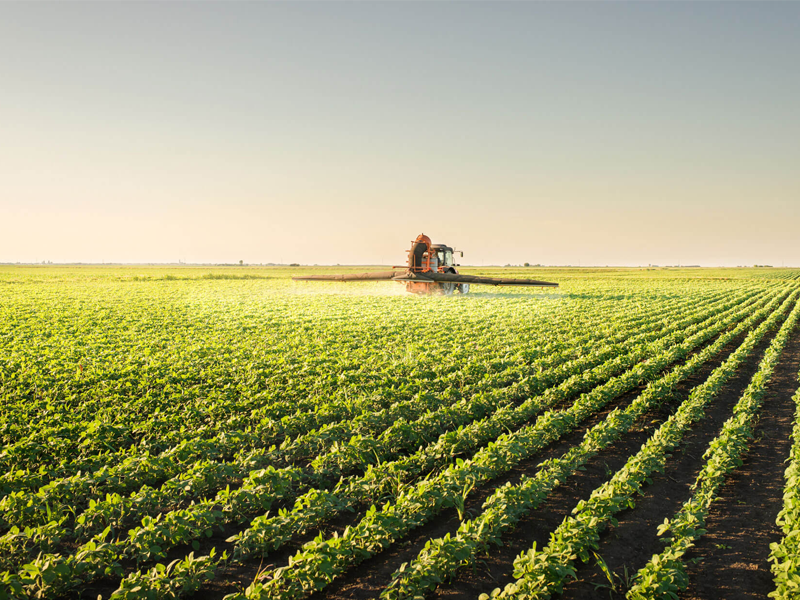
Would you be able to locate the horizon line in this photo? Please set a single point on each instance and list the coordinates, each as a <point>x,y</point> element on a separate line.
<point>347,265</point>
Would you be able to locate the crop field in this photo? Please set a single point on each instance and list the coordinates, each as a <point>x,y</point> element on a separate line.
<point>220,433</point>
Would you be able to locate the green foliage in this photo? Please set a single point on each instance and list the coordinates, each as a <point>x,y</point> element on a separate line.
<point>145,412</point>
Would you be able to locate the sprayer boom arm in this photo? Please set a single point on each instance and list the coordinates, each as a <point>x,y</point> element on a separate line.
<point>458,278</point>
<point>427,276</point>
<point>375,276</point>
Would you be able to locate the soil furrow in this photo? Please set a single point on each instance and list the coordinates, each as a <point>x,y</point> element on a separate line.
<point>628,546</point>
<point>381,567</point>
<point>376,572</point>
<point>370,577</point>
<point>731,559</point>
<point>495,570</point>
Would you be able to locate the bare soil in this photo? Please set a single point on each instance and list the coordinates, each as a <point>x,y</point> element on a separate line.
<point>370,577</point>
<point>732,556</point>
<point>496,569</point>
<point>730,561</point>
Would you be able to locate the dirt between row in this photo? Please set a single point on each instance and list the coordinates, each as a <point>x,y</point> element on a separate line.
<point>367,579</point>
<point>730,561</point>
<point>238,576</point>
<point>370,577</point>
<point>496,569</point>
<point>628,546</point>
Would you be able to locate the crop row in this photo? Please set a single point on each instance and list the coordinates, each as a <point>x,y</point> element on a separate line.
<point>449,446</point>
<point>61,436</point>
<point>665,573</point>
<point>64,364</point>
<point>322,559</point>
<point>22,509</point>
<point>539,574</point>
<point>271,428</point>
<point>78,428</point>
<point>181,524</point>
<point>441,558</point>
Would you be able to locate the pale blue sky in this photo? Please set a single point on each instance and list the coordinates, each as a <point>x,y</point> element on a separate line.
<point>599,133</point>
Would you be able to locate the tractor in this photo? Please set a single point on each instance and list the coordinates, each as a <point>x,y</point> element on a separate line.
<point>430,269</point>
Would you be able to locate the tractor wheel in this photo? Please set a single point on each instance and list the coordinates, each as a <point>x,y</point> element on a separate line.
<point>447,287</point>
<point>462,288</point>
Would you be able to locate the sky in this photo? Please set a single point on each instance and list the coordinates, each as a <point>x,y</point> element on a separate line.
<point>591,133</point>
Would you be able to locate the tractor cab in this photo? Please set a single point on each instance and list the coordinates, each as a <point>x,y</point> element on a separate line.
<point>444,254</point>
